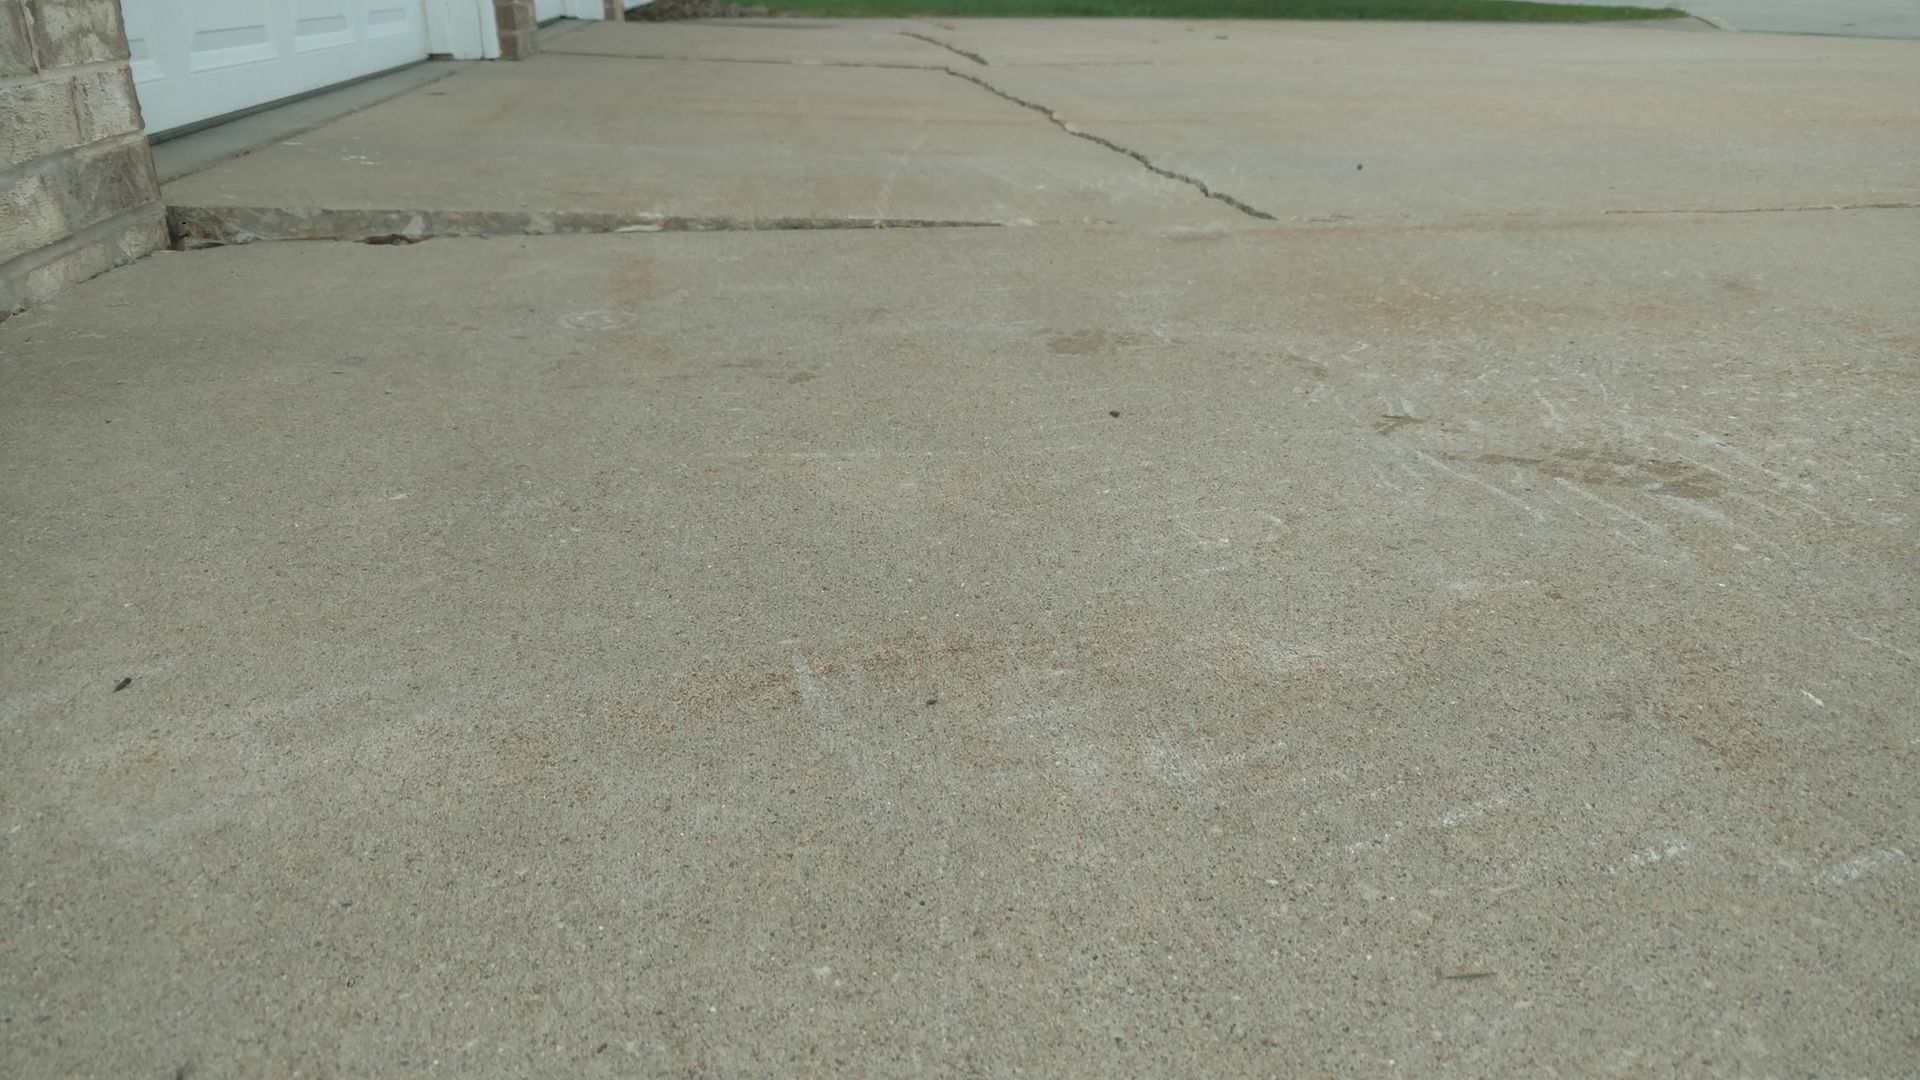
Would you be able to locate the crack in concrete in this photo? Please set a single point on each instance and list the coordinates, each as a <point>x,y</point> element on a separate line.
<point>954,49</point>
<point>1145,162</point>
<point>193,227</point>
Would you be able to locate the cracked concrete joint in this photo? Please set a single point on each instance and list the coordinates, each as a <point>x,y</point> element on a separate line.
<point>1145,162</point>
<point>194,227</point>
<point>954,49</point>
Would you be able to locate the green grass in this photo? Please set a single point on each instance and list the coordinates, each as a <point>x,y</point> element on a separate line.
<point>1412,10</point>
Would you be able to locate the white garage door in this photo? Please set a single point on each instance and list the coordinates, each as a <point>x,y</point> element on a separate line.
<point>197,59</point>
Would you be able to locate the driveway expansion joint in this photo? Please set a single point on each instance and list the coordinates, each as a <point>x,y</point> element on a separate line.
<point>193,227</point>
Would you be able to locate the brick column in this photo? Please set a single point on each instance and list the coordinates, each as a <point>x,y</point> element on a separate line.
<point>517,28</point>
<point>77,191</point>
<point>615,10</point>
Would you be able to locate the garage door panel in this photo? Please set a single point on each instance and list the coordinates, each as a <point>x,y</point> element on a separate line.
<point>321,24</point>
<point>385,20</point>
<point>230,32</point>
<point>198,59</point>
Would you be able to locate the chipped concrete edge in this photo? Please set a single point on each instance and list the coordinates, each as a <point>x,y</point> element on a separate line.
<point>213,226</point>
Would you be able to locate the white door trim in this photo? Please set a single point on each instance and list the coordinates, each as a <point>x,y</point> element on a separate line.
<point>468,29</point>
<point>462,29</point>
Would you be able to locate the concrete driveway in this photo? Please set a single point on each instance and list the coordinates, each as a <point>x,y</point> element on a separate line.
<point>1325,549</point>
<point>1848,18</point>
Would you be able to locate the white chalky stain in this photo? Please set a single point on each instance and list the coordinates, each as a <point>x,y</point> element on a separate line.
<point>1855,869</point>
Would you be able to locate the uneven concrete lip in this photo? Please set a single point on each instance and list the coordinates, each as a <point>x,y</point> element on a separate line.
<point>194,227</point>
<point>215,226</point>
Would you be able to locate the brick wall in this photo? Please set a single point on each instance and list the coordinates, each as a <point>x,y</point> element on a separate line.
<point>77,192</point>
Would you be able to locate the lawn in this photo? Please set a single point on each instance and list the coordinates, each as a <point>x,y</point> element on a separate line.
<point>1411,10</point>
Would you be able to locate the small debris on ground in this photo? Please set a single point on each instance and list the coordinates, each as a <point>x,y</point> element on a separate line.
<point>393,238</point>
<point>123,684</point>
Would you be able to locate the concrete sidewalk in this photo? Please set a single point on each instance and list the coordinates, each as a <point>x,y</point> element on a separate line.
<point>1477,636</point>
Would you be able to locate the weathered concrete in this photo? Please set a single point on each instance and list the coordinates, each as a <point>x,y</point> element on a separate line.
<point>1473,649</point>
<point>688,139</point>
<point>1302,121</point>
<point>206,147</point>
<point>1853,18</point>
<point>1483,640</point>
<point>1847,18</point>
<point>1322,120</point>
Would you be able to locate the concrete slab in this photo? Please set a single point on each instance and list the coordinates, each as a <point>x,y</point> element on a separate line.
<point>612,135</point>
<point>1430,121</point>
<point>1847,18</point>
<point>1473,649</point>
<point>1851,18</point>
<point>881,42</point>
<point>178,156</point>
<point>1259,42</point>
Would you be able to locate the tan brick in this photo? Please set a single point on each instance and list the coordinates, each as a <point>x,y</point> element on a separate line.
<point>105,104</point>
<point>36,119</point>
<point>68,32</point>
<point>516,45</point>
<point>518,28</point>
<point>32,215</point>
<point>16,40</point>
<point>37,276</point>
<point>95,183</point>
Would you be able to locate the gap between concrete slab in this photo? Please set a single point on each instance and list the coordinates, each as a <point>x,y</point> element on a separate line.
<point>672,59</point>
<point>194,227</point>
<point>1809,208</point>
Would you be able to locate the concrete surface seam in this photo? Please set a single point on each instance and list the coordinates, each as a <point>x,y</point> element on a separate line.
<point>1145,162</point>
<point>1812,208</point>
<point>194,227</point>
<point>658,58</point>
<point>954,49</point>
